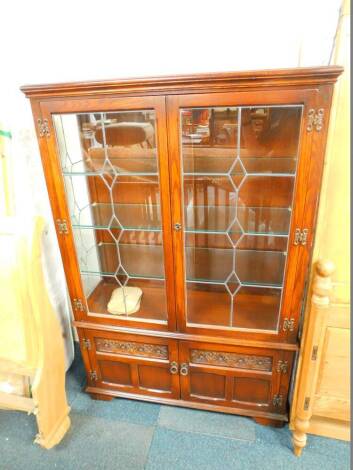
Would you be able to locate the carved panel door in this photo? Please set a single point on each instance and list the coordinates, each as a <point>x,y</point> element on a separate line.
<point>240,377</point>
<point>134,364</point>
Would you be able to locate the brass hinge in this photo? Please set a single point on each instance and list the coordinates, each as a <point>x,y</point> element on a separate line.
<point>314,353</point>
<point>62,226</point>
<point>277,401</point>
<point>288,324</point>
<point>93,375</point>
<point>78,305</point>
<point>282,367</point>
<point>306,403</point>
<point>315,120</point>
<point>43,128</point>
<point>300,236</point>
<point>86,343</point>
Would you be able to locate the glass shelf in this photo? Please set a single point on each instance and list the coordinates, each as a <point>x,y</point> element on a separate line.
<point>119,171</point>
<point>254,220</point>
<point>243,284</point>
<point>218,164</point>
<point>251,266</point>
<point>265,220</point>
<point>139,261</point>
<point>131,276</point>
<point>238,174</point>
<point>126,216</point>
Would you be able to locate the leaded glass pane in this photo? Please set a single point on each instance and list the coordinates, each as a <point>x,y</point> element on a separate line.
<point>238,171</point>
<point>110,168</point>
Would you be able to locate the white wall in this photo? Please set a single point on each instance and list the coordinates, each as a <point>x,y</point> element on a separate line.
<point>43,41</point>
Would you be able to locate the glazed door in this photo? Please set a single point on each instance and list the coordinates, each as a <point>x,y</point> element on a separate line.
<point>107,170</point>
<point>239,163</point>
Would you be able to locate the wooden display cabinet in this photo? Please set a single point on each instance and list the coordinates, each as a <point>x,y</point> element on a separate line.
<point>201,192</point>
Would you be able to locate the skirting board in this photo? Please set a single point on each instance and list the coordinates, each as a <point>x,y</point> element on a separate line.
<point>330,428</point>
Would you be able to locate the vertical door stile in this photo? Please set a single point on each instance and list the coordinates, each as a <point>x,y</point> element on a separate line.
<point>176,207</point>
<point>164,170</point>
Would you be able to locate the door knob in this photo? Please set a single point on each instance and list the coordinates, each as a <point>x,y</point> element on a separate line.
<point>177,227</point>
<point>173,367</point>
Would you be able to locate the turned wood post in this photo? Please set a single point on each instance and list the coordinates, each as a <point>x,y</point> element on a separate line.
<point>311,349</point>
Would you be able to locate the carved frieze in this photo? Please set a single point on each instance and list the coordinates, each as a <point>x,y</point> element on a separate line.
<point>131,348</point>
<point>227,359</point>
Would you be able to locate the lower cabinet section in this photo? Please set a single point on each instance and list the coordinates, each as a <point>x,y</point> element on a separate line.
<point>247,380</point>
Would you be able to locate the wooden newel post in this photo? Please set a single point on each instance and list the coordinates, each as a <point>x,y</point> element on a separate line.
<point>311,350</point>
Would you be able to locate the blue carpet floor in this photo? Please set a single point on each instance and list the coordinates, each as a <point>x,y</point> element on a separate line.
<point>124,434</point>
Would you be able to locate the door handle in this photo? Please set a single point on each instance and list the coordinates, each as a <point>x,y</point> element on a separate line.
<point>173,367</point>
<point>177,227</point>
<point>184,369</point>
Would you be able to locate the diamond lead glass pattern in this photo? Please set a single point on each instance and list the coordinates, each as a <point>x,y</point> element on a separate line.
<point>232,283</point>
<point>237,173</point>
<point>110,167</point>
<point>239,167</point>
<point>235,232</point>
<point>108,173</point>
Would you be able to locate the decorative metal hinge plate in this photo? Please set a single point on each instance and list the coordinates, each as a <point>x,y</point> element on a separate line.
<point>43,128</point>
<point>62,226</point>
<point>282,367</point>
<point>288,324</point>
<point>86,343</point>
<point>300,236</point>
<point>315,120</point>
<point>78,305</point>
<point>93,375</point>
<point>314,353</point>
<point>277,401</point>
<point>306,403</point>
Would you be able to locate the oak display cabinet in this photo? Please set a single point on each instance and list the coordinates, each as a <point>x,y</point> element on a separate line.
<point>193,199</point>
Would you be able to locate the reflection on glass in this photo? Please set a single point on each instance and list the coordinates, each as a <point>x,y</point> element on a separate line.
<point>132,202</point>
<point>239,168</point>
<point>110,167</point>
<point>111,143</point>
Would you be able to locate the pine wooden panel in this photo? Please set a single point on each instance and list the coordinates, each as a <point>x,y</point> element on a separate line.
<point>335,364</point>
<point>331,407</point>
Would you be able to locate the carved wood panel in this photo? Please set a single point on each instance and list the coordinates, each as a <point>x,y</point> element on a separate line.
<point>131,348</point>
<point>226,359</point>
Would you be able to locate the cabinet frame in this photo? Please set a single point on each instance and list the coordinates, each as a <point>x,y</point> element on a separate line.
<point>311,87</point>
